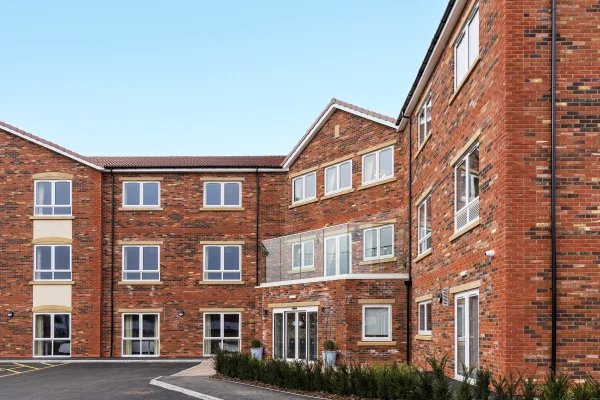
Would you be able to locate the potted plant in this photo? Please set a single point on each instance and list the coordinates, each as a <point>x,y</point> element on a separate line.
<point>329,353</point>
<point>256,349</point>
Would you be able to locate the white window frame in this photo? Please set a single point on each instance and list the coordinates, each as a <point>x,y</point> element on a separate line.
<point>364,316</point>
<point>222,329</point>
<point>423,209</point>
<point>141,337</point>
<point>378,230</point>
<point>303,178</point>
<point>468,204</point>
<point>294,310</point>
<point>52,263</point>
<point>52,338</point>
<point>377,167</point>
<point>222,270</point>
<point>142,204</point>
<point>222,185</point>
<point>423,329</point>
<point>303,245</point>
<point>464,34</point>
<point>53,196</point>
<point>338,253</point>
<point>140,269</point>
<point>467,296</point>
<point>338,180</point>
<point>426,115</point>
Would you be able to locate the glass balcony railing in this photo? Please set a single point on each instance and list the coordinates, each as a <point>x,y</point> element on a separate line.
<point>356,248</point>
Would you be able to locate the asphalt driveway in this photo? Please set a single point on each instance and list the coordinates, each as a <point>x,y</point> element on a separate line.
<point>94,381</point>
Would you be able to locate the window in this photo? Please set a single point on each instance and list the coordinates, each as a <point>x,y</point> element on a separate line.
<point>303,254</point>
<point>222,194</point>
<point>425,318</point>
<point>378,165</point>
<point>338,177</point>
<point>141,335</point>
<point>52,335</point>
<point>338,253</point>
<point>466,350</point>
<point>378,242</point>
<point>52,198</point>
<point>222,263</point>
<point>141,263</point>
<point>377,323</point>
<point>304,188</point>
<point>141,194</point>
<point>52,262</point>
<point>466,202</point>
<point>424,225</point>
<point>295,334</point>
<point>425,121</point>
<point>222,332</point>
<point>466,49</point>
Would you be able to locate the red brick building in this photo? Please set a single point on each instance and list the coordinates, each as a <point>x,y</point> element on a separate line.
<point>469,226</point>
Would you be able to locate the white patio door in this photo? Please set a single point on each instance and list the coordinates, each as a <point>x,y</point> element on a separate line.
<point>466,343</point>
<point>295,334</point>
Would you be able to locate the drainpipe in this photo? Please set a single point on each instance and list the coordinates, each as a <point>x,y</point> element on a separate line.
<point>257,223</point>
<point>112,263</point>
<point>408,283</point>
<point>553,189</point>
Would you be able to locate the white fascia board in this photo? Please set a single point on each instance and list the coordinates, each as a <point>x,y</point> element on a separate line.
<point>435,57</point>
<point>193,170</point>
<point>52,148</point>
<point>302,145</point>
<point>364,277</point>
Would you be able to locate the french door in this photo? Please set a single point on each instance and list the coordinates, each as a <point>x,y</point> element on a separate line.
<point>295,334</point>
<point>466,337</point>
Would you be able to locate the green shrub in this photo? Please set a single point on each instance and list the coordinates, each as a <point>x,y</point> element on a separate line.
<point>255,344</point>
<point>555,388</point>
<point>506,387</point>
<point>329,345</point>
<point>440,385</point>
<point>528,388</point>
<point>483,379</point>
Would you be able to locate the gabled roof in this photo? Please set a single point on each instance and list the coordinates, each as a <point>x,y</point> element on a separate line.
<point>190,162</point>
<point>334,105</point>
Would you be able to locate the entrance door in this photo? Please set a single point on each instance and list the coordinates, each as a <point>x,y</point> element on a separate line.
<point>295,334</point>
<point>466,344</point>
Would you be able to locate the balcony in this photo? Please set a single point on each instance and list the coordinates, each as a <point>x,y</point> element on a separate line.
<point>350,251</point>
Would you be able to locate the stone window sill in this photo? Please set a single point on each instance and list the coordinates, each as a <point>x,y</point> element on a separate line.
<point>377,183</point>
<point>378,261</point>
<point>222,209</point>
<point>422,146</point>
<point>427,338</point>
<point>376,344</point>
<point>423,255</point>
<point>141,209</point>
<point>465,229</point>
<point>52,217</point>
<point>221,282</point>
<point>465,79</point>
<point>139,283</point>
<point>302,203</point>
<point>335,194</point>
<point>35,283</point>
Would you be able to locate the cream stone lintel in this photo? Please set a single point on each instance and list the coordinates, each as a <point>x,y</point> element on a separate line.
<point>427,338</point>
<point>377,183</point>
<point>425,297</point>
<point>377,147</point>
<point>51,283</point>
<point>140,310</point>
<point>376,344</point>
<point>376,301</point>
<point>378,223</point>
<point>232,242</point>
<point>338,160</point>
<point>51,309</point>
<point>221,282</point>
<point>303,172</point>
<point>378,261</point>
<point>221,309</point>
<point>466,147</point>
<point>423,195</point>
<point>465,287</point>
<point>141,178</point>
<point>296,304</point>
<point>51,217</point>
<point>223,178</point>
<point>52,240</point>
<point>52,176</point>
<point>140,242</point>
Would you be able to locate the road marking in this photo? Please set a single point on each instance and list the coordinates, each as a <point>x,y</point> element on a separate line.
<point>25,366</point>
<point>32,369</point>
<point>191,393</point>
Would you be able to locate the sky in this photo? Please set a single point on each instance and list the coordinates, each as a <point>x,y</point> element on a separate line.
<point>203,77</point>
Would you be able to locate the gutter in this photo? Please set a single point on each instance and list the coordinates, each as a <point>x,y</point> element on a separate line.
<point>553,191</point>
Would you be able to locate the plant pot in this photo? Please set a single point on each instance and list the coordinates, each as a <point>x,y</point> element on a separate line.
<point>257,352</point>
<point>329,357</point>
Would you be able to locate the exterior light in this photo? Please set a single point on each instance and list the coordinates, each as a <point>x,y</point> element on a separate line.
<point>181,313</point>
<point>10,314</point>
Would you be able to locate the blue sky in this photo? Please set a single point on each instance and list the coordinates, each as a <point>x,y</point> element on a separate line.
<point>202,77</point>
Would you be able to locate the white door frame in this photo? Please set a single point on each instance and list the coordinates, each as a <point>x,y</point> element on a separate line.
<point>284,312</point>
<point>466,314</point>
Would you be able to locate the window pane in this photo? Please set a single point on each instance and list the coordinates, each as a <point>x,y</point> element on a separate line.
<point>427,217</point>
<point>62,196</point>
<point>213,194</point>
<point>62,348</point>
<point>62,257</point>
<point>132,326</point>
<point>62,210</point>
<point>386,165</point>
<point>422,127</point>
<point>231,325</point>
<point>370,243</point>
<point>473,331</point>
<point>150,258</point>
<point>330,255</point>
<point>212,326</point>
<point>331,179</point>
<point>386,241</point>
<point>428,319</point>
<point>474,174</point>
<point>346,175</point>
<point>232,194</point>
<point>132,194</point>
<point>296,255</point>
<point>149,326</point>
<point>298,189</point>
<point>421,317</point>
<point>369,168</point>
<point>309,253</point>
<point>461,183</point>
<point>43,257</point>
<point>474,38</point>
<point>310,185</point>
<point>278,335</point>
<point>231,345</point>
<point>61,326</point>
<point>213,258</point>
<point>43,326</point>
<point>345,254</point>
<point>376,322</point>
<point>43,193</point>
<point>232,258</point>
<point>151,193</point>
<point>132,258</point>
<point>461,59</point>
